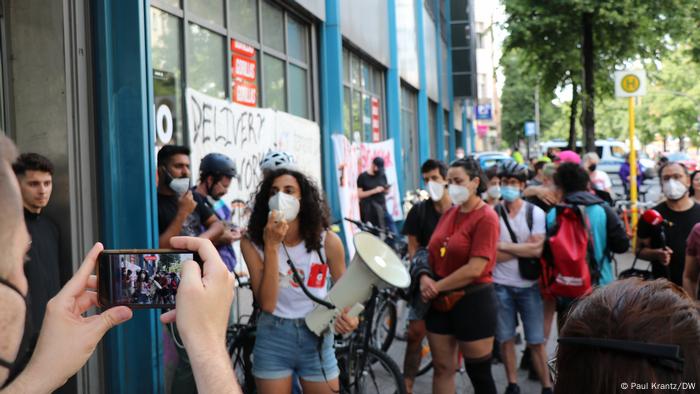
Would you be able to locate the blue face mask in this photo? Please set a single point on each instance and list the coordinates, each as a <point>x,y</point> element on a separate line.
<point>510,193</point>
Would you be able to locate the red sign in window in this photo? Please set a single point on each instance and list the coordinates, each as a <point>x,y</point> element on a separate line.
<point>376,134</point>
<point>243,68</point>
<point>243,49</point>
<point>245,94</point>
<point>150,258</point>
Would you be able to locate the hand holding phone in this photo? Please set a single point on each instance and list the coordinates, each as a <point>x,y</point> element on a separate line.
<point>203,299</point>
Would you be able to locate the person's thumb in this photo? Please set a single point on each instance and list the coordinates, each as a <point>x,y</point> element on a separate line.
<point>110,318</point>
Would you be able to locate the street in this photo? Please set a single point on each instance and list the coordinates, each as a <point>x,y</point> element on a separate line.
<point>423,383</point>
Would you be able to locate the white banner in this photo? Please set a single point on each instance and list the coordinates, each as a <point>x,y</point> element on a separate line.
<point>246,134</point>
<point>350,161</point>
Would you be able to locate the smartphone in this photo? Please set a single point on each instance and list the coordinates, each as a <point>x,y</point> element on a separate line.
<point>140,278</point>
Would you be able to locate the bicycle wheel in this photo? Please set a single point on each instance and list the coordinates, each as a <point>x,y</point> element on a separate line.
<point>240,348</point>
<point>426,358</point>
<point>384,324</point>
<point>368,371</point>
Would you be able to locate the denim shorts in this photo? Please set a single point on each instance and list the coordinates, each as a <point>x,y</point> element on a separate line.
<point>286,346</point>
<point>526,302</point>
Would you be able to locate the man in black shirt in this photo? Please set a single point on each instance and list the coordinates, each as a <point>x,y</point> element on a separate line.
<point>372,187</point>
<point>419,226</point>
<point>35,176</point>
<point>179,213</point>
<point>664,245</point>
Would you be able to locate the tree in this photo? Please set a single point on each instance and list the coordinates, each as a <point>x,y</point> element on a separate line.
<point>593,38</point>
<point>518,100</point>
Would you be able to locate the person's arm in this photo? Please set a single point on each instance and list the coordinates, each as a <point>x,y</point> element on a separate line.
<point>532,248</point>
<point>203,300</point>
<point>618,242</point>
<point>215,229</point>
<point>185,206</point>
<point>362,194</point>
<point>661,255</point>
<point>544,193</point>
<point>502,256</point>
<point>691,272</point>
<point>67,338</point>
<point>413,246</point>
<point>335,258</point>
<point>464,275</point>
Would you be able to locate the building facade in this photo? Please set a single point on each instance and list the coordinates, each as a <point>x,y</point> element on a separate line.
<point>98,85</point>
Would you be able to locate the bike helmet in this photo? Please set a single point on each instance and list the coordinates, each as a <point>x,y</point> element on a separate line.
<point>217,164</point>
<point>275,160</point>
<point>511,169</point>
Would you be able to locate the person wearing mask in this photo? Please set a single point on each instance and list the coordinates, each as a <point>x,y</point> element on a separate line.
<point>538,179</point>
<point>493,190</point>
<point>603,225</point>
<point>462,253</point>
<point>600,180</point>
<point>522,231</point>
<point>216,172</point>
<point>372,188</point>
<point>180,214</point>
<point>691,271</point>
<point>35,176</point>
<point>695,186</point>
<point>67,338</point>
<point>665,245</point>
<point>418,227</point>
<point>548,195</point>
<point>630,332</point>
<point>288,232</point>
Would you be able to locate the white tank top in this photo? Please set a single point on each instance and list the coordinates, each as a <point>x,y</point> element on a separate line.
<point>292,303</point>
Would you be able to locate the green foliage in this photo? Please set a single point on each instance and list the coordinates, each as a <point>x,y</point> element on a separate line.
<point>518,100</point>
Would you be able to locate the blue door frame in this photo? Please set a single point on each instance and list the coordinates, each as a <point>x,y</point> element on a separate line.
<point>132,352</point>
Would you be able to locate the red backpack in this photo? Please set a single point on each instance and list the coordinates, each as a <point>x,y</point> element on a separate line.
<point>568,259</point>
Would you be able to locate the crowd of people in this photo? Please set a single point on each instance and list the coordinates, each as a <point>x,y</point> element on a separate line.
<point>491,250</point>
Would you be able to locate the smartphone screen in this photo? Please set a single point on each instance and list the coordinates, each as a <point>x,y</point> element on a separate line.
<point>140,278</point>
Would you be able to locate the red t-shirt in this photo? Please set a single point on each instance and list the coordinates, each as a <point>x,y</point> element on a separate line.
<point>693,243</point>
<point>465,235</point>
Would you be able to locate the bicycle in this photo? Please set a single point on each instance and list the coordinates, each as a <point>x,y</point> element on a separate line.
<point>240,340</point>
<point>364,368</point>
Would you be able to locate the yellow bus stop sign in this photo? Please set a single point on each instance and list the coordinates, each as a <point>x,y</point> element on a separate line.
<point>630,83</point>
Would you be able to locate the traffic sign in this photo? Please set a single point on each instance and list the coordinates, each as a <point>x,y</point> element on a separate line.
<point>630,83</point>
<point>530,129</point>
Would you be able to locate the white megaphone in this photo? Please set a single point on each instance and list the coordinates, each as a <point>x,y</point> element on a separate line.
<point>374,264</point>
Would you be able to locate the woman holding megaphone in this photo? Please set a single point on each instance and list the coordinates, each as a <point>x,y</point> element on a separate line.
<point>288,231</point>
<point>463,307</point>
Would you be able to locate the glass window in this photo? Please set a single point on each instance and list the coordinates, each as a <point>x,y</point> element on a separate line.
<point>356,116</point>
<point>209,10</point>
<point>446,135</point>
<point>618,151</point>
<point>347,116</point>
<point>409,137</point>
<point>174,3</point>
<point>273,26</point>
<point>355,69</point>
<point>296,40</point>
<point>432,127</point>
<point>205,62</point>
<point>366,82</point>
<point>166,53</point>
<point>244,17</point>
<point>298,91</point>
<point>346,66</point>
<point>273,83</point>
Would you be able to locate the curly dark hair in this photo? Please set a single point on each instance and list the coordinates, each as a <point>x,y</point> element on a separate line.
<point>473,169</point>
<point>314,215</point>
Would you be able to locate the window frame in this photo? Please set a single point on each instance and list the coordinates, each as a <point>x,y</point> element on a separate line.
<point>187,17</point>
<point>374,70</point>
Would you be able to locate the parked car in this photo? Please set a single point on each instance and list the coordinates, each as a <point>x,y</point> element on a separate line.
<point>612,153</point>
<point>487,159</point>
<point>682,157</point>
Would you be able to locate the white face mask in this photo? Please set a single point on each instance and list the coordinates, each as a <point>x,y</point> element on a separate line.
<point>436,190</point>
<point>458,194</point>
<point>494,192</point>
<point>288,205</point>
<point>674,190</point>
<point>180,185</point>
